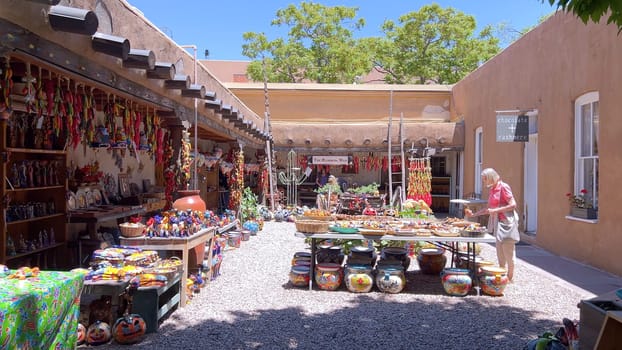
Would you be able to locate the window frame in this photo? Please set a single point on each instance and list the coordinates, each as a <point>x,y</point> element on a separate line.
<point>580,160</point>
<point>478,160</point>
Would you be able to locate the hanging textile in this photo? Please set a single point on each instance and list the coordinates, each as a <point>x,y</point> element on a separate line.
<point>420,180</point>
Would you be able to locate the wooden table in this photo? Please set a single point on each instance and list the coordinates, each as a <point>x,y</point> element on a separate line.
<point>96,215</point>
<point>447,242</point>
<point>183,244</point>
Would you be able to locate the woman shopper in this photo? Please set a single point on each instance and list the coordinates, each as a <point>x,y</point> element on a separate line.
<point>501,205</point>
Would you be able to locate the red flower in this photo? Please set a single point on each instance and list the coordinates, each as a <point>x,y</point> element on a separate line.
<point>583,191</point>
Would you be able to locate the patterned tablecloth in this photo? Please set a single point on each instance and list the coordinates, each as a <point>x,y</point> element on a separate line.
<point>40,312</point>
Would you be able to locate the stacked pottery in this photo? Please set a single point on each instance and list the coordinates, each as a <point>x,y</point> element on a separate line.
<point>329,254</point>
<point>361,255</point>
<point>234,239</point>
<point>358,278</point>
<point>395,256</point>
<point>493,280</point>
<point>431,260</point>
<point>463,263</point>
<point>299,275</point>
<point>328,276</point>
<point>390,278</point>
<point>456,281</point>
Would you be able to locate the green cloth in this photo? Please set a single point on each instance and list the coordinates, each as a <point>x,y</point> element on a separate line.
<point>40,312</point>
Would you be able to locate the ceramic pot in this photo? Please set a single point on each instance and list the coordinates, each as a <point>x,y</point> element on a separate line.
<point>246,235</point>
<point>361,255</point>
<point>329,254</point>
<point>234,240</point>
<point>191,200</point>
<point>493,280</point>
<point>328,276</point>
<point>395,255</point>
<point>299,276</point>
<point>463,263</point>
<point>358,278</point>
<point>456,281</point>
<point>431,260</point>
<point>390,279</point>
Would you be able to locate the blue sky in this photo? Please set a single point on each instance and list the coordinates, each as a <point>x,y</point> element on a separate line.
<point>218,27</point>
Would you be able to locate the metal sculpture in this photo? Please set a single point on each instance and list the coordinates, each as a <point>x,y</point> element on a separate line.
<point>292,178</point>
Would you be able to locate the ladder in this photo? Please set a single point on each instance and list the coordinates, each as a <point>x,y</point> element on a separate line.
<point>401,185</point>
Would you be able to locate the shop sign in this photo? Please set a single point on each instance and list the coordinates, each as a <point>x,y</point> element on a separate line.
<point>330,160</point>
<point>512,128</point>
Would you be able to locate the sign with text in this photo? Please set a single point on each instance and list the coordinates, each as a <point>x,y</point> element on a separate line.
<point>512,128</point>
<point>330,160</point>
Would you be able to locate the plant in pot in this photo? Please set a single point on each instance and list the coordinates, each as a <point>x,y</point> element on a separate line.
<point>249,210</point>
<point>581,205</point>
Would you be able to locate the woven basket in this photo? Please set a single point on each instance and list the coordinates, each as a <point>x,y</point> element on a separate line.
<point>317,218</point>
<point>130,230</point>
<point>311,226</point>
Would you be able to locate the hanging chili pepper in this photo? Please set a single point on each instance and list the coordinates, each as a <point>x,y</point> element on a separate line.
<point>7,85</point>
<point>49,95</point>
<point>137,121</point>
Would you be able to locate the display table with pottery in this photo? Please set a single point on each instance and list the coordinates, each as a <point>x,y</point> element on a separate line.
<point>449,243</point>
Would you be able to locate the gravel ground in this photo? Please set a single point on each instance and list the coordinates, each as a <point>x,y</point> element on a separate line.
<point>251,305</point>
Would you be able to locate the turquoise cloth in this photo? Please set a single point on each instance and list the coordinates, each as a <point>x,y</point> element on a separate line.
<point>40,312</point>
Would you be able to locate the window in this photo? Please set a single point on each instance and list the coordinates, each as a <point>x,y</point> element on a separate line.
<point>479,145</point>
<point>586,147</point>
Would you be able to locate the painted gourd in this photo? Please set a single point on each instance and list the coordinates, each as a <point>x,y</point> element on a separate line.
<point>81,333</point>
<point>98,333</point>
<point>129,329</point>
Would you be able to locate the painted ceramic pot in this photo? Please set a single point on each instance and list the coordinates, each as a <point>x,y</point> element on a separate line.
<point>456,281</point>
<point>234,240</point>
<point>395,255</point>
<point>299,276</point>
<point>431,260</point>
<point>301,258</point>
<point>463,263</point>
<point>329,254</point>
<point>493,280</point>
<point>390,279</point>
<point>328,276</point>
<point>361,255</point>
<point>358,278</point>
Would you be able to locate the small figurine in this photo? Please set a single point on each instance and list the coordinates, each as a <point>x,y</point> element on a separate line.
<point>46,239</point>
<point>30,173</point>
<point>44,173</point>
<point>23,247</point>
<point>10,247</point>
<point>41,245</point>
<point>52,238</point>
<point>23,174</point>
<point>119,137</point>
<point>15,176</point>
<point>37,173</point>
<point>102,137</point>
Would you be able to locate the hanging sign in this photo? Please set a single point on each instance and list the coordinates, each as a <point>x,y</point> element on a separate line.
<point>330,160</point>
<point>512,128</point>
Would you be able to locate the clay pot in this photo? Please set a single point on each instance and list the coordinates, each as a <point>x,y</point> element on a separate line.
<point>391,279</point>
<point>362,256</point>
<point>358,278</point>
<point>431,260</point>
<point>299,276</point>
<point>329,254</point>
<point>395,255</point>
<point>190,200</point>
<point>493,280</point>
<point>456,282</point>
<point>328,276</point>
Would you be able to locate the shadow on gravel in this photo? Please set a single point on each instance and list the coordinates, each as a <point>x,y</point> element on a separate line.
<point>372,323</point>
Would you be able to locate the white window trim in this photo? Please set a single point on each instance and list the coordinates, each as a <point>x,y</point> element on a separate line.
<point>582,100</point>
<point>478,159</point>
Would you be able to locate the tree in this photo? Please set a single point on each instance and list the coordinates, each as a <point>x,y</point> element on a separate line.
<point>593,10</point>
<point>432,45</point>
<point>320,46</point>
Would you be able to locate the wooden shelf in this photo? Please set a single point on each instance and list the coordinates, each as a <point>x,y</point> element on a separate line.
<point>35,151</point>
<point>22,189</point>
<point>16,222</point>
<point>40,250</point>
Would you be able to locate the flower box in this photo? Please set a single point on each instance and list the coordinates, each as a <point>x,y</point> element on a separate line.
<point>584,213</point>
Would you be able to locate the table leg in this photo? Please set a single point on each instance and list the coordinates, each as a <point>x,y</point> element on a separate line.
<point>312,269</point>
<point>184,276</point>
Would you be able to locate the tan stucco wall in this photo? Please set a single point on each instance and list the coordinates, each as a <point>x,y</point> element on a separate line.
<point>547,70</point>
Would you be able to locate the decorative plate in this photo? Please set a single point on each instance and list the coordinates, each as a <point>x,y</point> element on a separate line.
<point>372,231</point>
<point>97,196</point>
<point>90,200</point>
<point>340,229</point>
<point>72,201</point>
<point>81,199</point>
